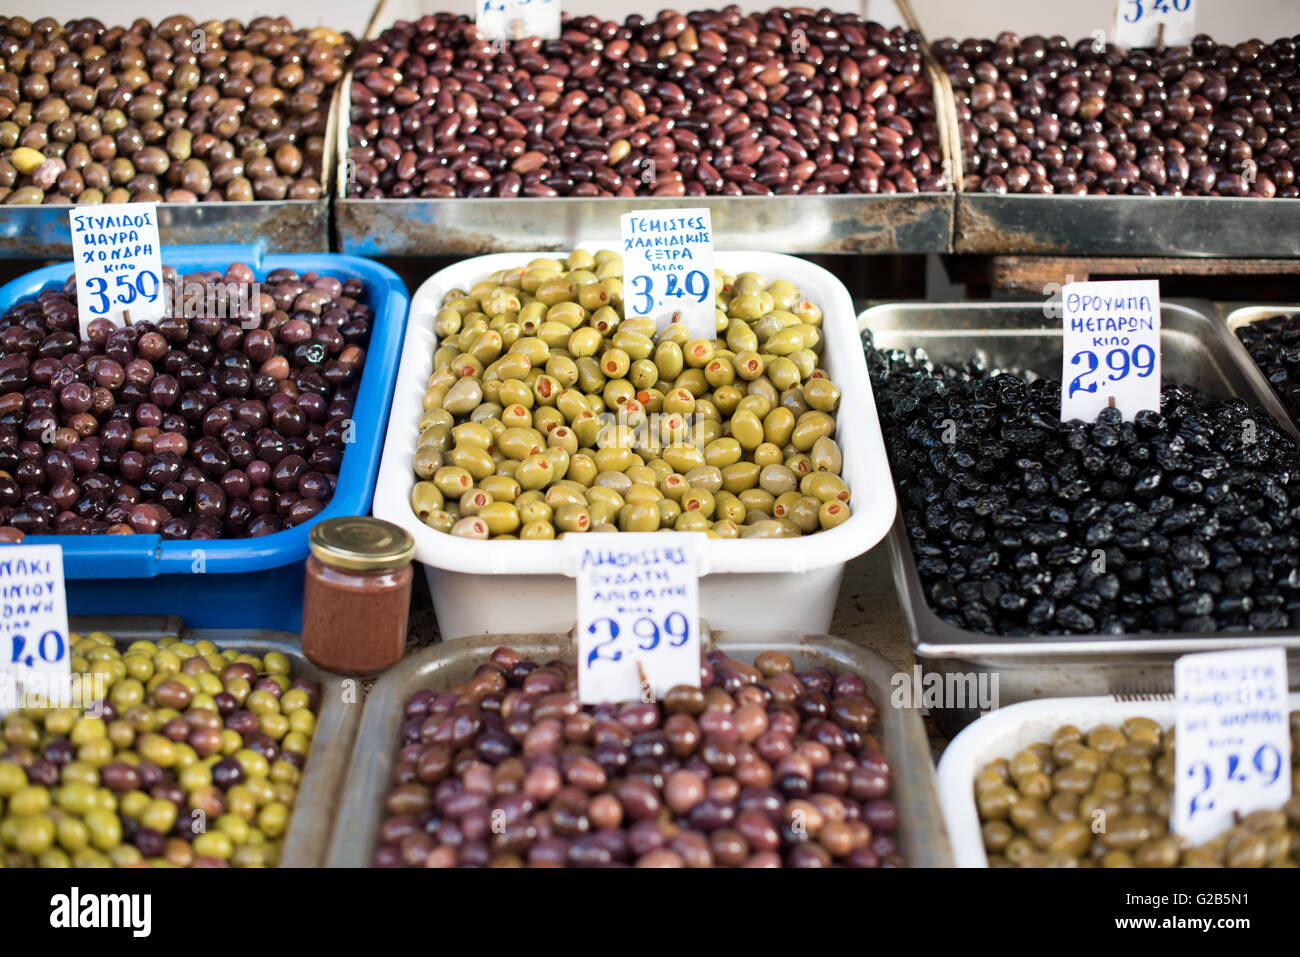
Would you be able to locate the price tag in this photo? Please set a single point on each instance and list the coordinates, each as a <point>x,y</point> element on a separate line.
<point>35,661</point>
<point>118,259</point>
<point>1110,348</point>
<point>1232,748</point>
<point>668,268</point>
<point>507,20</point>
<point>1138,23</point>
<point>638,616</point>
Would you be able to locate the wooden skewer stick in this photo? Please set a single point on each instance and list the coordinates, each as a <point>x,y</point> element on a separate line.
<point>645,682</point>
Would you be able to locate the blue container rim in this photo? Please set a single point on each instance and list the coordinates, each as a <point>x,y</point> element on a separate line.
<point>145,556</point>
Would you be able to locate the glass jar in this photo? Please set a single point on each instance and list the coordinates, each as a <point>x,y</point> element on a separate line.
<point>357,595</point>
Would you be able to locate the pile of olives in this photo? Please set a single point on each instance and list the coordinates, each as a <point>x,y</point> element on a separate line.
<point>1021,524</point>
<point>180,112</point>
<point>1039,115</point>
<point>760,766</point>
<point>196,426</point>
<point>1103,799</point>
<point>1274,344</point>
<point>192,757</point>
<point>548,412</point>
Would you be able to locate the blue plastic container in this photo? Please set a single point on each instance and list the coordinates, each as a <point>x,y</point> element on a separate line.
<point>243,582</point>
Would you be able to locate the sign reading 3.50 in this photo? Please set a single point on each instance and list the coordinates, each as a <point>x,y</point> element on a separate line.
<point>118,259</point>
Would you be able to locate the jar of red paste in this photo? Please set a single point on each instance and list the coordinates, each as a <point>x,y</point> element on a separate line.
<point>357,595</point>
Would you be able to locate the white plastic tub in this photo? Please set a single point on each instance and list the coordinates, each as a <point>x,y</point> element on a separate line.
<point>1008,730</point>
<point>513,587</point>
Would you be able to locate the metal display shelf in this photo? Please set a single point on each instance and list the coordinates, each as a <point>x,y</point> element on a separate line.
<point>1127,226</point>
<point>288,226</point>
<point>914,223</point>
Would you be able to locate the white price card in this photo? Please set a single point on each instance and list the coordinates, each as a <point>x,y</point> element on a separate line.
<point>1110,349</point>
<point>1138,23</point>
<point>35,660</point>
<point>118,258</point>
<point>668,268</point>
<point>1232,746</point>
<point>509,20</point>
<point>638,616</point>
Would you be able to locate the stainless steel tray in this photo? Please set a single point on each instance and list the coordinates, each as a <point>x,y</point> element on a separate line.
<point>1127,226</point>
<point>922,835</point>
<point>1236,315</point>
<point>1196,350</point>
<point>283,226</point>
<point>336,725</point>
<point>845,223</point>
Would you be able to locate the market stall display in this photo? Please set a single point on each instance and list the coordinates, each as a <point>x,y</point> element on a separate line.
<point>1049,657</point>
<point>710,103</point>
<point>131,778</point>
<point>741,778</point>
<point>253,413</point>
<point>1087,123</point>
<point>746,583</point>
<point>1022,787</point>
<point>180,112</point>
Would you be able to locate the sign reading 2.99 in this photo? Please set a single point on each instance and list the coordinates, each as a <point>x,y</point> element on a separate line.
<point>118,259</point>
<point>1111,348</point>
<point>638,617</point>
<point>668,268</point>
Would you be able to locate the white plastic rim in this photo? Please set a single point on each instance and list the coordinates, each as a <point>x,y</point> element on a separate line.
<point>1002,733</point>
<point>866,467</point>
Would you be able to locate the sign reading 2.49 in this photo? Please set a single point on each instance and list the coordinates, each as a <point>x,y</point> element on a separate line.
<point>1233,741</point>
<point>118,260</point>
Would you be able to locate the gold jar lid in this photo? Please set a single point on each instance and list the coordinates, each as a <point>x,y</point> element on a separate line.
<point>361,543</point>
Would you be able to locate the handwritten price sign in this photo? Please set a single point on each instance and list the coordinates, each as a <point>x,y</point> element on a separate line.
<point>638,617</point>
<point>1138,22</point>
<point>668,268</point>
<point>118,259</point>
<point>1110,348</point>
<point>33,624</point>
<point>507,20</point>
<point>1233,744</point>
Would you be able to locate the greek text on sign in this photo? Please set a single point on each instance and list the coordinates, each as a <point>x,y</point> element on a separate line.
<point>1138,23</point>
<point>1232,746</point>
<point>1110,348</point>
<point>638,617</point>
<point>118,259</point>
<point>668,268</point>
<point>33,624</point>
<point>508,20</point>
